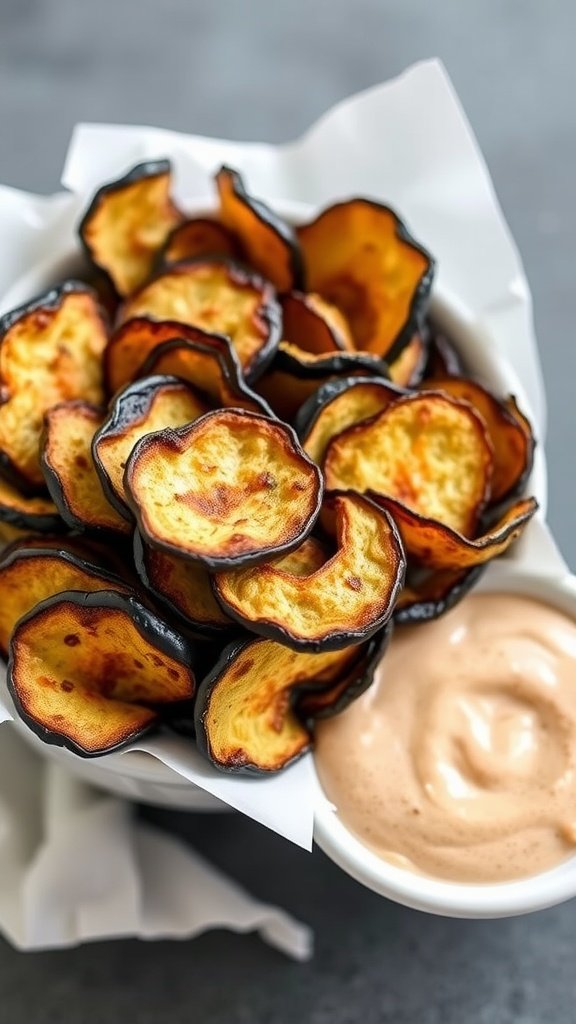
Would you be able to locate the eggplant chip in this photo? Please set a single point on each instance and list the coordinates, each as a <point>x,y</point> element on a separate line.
<point>91,672</point>
<point>438,546</point>
<point>182,586</point>
<point>359,255</point>
<point>326,701</point>
<point>211,368</point>
<point>39,513</point>
<point>50,352</point>
<point>231,489</point>
<point>513,445</point>
<point>428,451</point>
<point>148,405</point>
<point>219,296</point>
<point>127,223</point>
<point>340,404</point>
<point>345,601</point>
<point>429,594</point>
<point>408,369</point>
<point>30,574</point>
<point>269,243</point>
<point>69,468</point>
<point>245,721</point>
<point>11,534</point>
<point>194,239</point>
<point>295,375</point>
<point>314,325</point>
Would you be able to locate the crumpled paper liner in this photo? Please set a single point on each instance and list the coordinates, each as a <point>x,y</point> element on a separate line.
<point>408,143</point>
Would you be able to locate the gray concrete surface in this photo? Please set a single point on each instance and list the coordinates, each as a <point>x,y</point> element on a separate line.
<point>265,70</point>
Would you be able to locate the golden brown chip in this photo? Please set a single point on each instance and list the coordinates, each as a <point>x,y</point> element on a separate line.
<point>210,369</point>
<point>244,714</point>
<point>338,405</point>
<point>428,451</point>
<point>196,238</point>
<point>128,222</point>
<point>37,513</point>
<point>345,601</point>
<point>89,671</point>
<point>50,352</point>
<point>436,545</point>
<point>313,324</point>
<point>218,296</point>
<point>30,574</point>
<point>231,489</point>
<point>146,406</point>
<point>323,701</point>
<point>269,243</point>
<point>359,255</point>
<point>69,468</point>
<point>183,586</point>
<point>513,446</point>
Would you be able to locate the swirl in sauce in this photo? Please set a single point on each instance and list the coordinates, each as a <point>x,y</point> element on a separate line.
<point>460,761</point>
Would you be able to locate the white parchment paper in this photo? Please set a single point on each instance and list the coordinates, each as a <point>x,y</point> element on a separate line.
<point>406,142</point>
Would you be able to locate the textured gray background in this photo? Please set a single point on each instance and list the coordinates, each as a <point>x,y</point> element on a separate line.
<point>265,70</point>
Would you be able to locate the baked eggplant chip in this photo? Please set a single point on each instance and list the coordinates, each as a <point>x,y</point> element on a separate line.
<point>210,368</point>
<point>268,242</point>
<point>134,341</point>
<point>428,594</point>
<point>513,446</point>
<point>92,672</point>
<point>345,601</point>
<point>231,489</point>
<point>436,545</point>
<point>182,586</point>
<point>148,405</point>
<point>340,404</point>
<point>50,352</point>
<point>326,701</point>
<point>37,513</point>
<point>194,239</point>
<point>359,255</point>
<point>314,325</point>
<point>69,468</point>
<point>244,717</point>
<point>408,369</point>
<point>296,375</point>
<point>128,222</point>
<point>30,574</point>
<point>11,534</point>
<point>429,451</point>
<point>219,296</point>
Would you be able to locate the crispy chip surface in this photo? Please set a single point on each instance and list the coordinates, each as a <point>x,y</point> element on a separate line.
<point>338,405</point>
<point>84,670</point>
<point>196,238</point>
<point>148,405</point>
<point>50,352</point>
<point>269,243</point>
<point>69,468</point>
<point>128,222</point>
<point>244,717</point>
<point>359,256</point>
<point>428,451</point>
<point>218,296</point>
<point>346,600</point>
<point>232,488</point>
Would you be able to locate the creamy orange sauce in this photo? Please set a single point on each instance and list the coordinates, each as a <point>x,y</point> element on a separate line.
<point>460,761</point>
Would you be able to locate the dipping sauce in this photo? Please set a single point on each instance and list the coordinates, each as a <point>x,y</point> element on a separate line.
<point>459,762</point>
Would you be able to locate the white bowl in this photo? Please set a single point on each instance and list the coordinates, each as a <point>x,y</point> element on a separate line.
<point>141,776</point>
<point>451,899</point>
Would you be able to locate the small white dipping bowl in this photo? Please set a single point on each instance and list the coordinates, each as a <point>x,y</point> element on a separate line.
<point>138,775</point>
